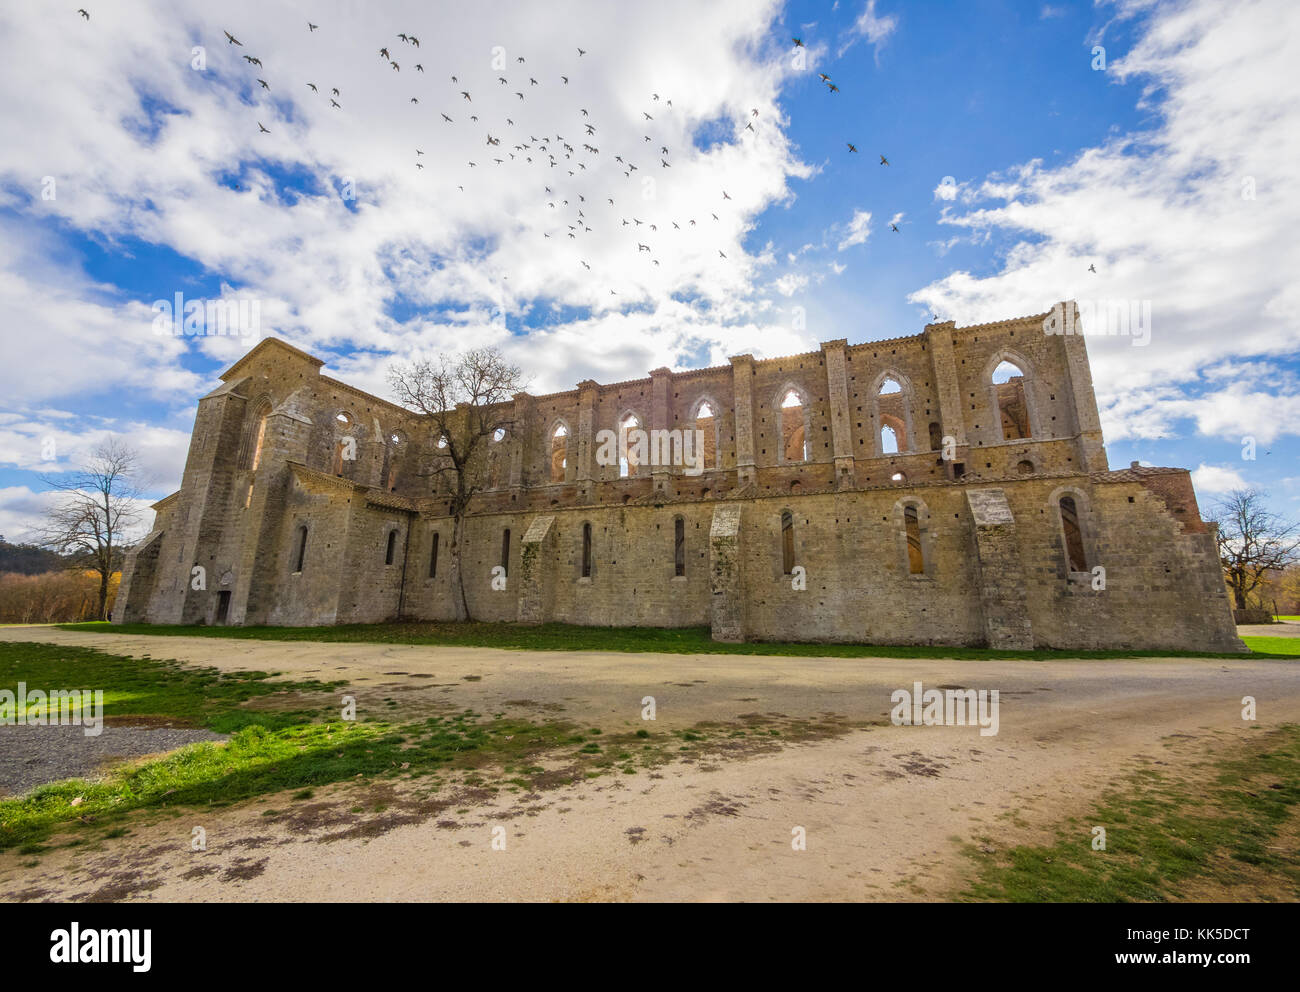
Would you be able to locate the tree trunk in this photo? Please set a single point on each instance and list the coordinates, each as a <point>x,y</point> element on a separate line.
<point>458,574</point>
<point>103,596</point>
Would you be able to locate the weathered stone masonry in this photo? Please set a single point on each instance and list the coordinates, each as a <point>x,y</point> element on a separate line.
<point>306,501</point>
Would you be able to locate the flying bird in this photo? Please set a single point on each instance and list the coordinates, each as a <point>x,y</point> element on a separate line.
<point>647,116</point>
<point>798,42</point>
<point>383,52</point>
<point>418,67</point>
<point>262,129</point>
<point>252,61</point>
<point>566,80</point>
<point>335,91</point>
<point>883,160</point>
<point>1092,269</point>
<point>414,100</point>
<point>446,118</point>
<point>852,147</point>
<point>313,87</point>
<point>335,103</point>
<point>232,40</point>
<point>581,53</point>
<point>725,195</point>
<point>311,27</point>
<point>83,13</point>
<point>894,228</point>
<point>824,78</point>
<point>265,84</point>
<point>722,253</point>
<point>465,94</point>
<point>832,87</point>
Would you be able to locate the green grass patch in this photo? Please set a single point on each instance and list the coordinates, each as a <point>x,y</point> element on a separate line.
<point>567,637</point>
<point>1282,647</point>
<point>1218,831</point>
<point>143,687</point>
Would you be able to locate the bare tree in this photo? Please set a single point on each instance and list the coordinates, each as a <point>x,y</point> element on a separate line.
<point>1252,541</point>
<point>467,399</point>
<point>93,511</point>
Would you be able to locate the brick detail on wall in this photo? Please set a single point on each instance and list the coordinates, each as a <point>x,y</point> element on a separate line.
<point>1003,596</point>
<point>727,608</point>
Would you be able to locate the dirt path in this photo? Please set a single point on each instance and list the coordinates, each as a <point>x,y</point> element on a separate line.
<point>885,809</point>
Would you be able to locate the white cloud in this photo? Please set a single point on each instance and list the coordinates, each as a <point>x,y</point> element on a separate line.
<point>859,229</point>
<point>327,271</point>
<point>1217,479</point>
<point>875,28</point>
<point>1161,214</point>
<point>790,283</point>
<point>947,189</point>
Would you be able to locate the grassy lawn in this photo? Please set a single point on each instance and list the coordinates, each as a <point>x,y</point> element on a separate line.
<point>1229,833</point>
<point>134,687</point>
<point>675,640</point>
<point>1285,647</point>
<point>275,749</point>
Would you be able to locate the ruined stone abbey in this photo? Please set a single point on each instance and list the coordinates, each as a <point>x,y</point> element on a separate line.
<point>949,487</point>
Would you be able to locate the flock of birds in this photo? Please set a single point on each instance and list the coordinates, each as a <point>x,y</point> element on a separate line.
<point>554,154</point>
<point>550,152</point>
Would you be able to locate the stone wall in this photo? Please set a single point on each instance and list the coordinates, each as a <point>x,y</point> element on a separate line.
<point>280,450</point>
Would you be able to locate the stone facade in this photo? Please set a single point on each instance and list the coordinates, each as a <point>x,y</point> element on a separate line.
<point>996,521</point>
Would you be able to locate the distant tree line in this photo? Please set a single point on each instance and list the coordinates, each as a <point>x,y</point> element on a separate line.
<point>29,559</point>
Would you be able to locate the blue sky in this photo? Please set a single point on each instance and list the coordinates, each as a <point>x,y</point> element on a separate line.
<point>1016,163</point>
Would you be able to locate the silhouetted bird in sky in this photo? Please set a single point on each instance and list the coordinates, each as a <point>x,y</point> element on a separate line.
<point>232,40</point>
<point>883,160</point>
<point>262,129</point>
<point>852,147</point>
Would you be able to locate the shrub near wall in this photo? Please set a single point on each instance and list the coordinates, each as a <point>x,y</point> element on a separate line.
<point>52,597</point>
